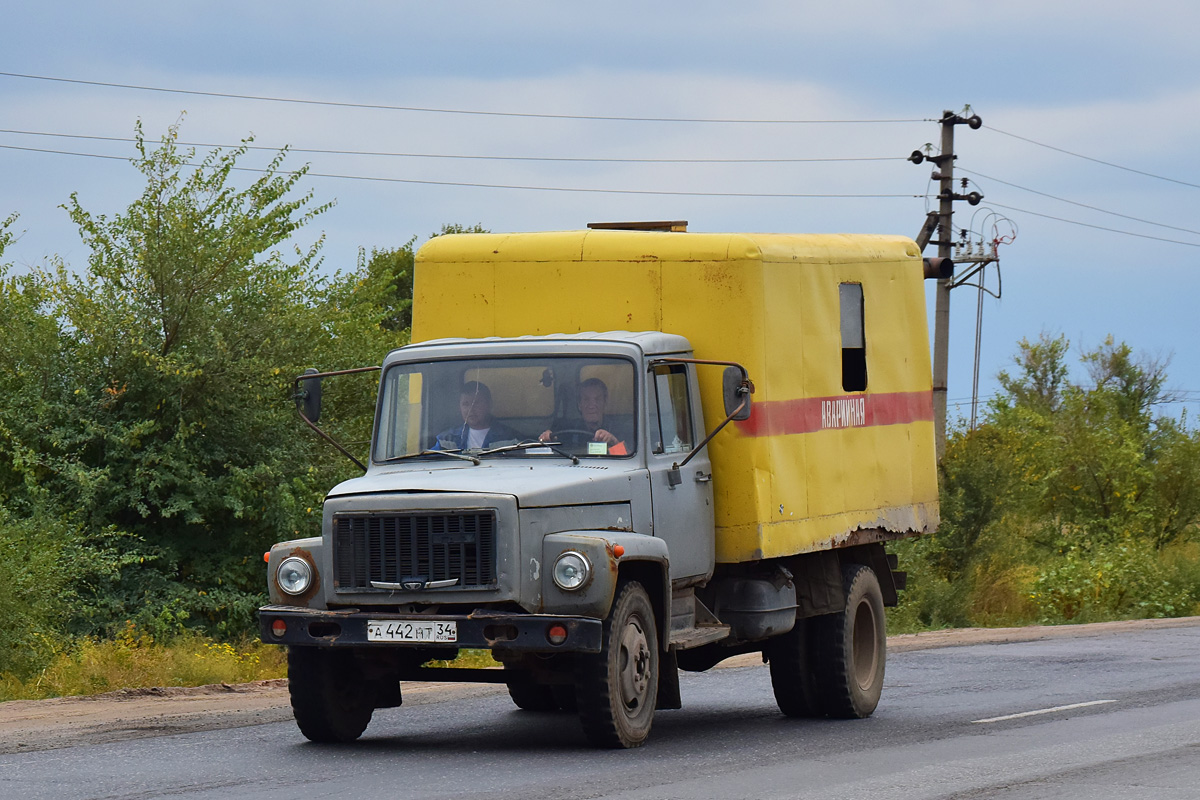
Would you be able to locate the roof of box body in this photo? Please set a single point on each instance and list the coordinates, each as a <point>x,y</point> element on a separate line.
<point>607,245</point>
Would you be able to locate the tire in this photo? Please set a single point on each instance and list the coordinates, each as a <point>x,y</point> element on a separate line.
<point>616,689</point>
<point>331,699</point>
<point>529,695</point>
<point>564,696</point>
<point>849,649</point>
<point>790,658</point>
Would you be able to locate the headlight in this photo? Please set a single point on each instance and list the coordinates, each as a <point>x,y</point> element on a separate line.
<point>571,571</point>
<point>294,575</point>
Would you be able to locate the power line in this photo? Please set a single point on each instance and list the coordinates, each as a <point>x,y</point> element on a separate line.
<point>963,400</point>
<point>663,193</point>
<point>478,157</point>
<point>474,185</point>
<point>1081,205</point>
<point>1172,401</point>
<point>1095,160</point>
<point>62,152</point>
<point>472,112</point>
<point>1096,227</point>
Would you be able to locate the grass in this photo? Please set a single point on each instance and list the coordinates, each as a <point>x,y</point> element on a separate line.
<point>134,661</point>
<point>469,659</point>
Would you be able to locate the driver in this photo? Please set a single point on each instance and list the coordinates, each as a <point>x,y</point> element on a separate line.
<point>593,398</point>
<point>479,429</point>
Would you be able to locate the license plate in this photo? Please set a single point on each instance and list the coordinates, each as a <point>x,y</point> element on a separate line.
<point>406,630</point>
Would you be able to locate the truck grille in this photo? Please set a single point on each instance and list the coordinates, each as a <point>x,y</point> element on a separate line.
<point>423,547</point>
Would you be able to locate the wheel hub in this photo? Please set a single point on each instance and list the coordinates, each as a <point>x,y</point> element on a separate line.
<point>634,666</point>
<point>866,650</point>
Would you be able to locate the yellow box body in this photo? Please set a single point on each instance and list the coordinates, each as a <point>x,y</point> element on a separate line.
<point>815,466</point>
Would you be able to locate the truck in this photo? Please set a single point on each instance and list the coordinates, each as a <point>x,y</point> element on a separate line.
<point>611,454</point>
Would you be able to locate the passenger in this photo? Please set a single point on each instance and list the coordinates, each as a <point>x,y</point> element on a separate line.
<point>593,399</point>
<point>479,430</point>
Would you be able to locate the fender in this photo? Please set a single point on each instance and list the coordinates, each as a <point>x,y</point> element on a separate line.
<point>311,550</point>
<point>607,553</point>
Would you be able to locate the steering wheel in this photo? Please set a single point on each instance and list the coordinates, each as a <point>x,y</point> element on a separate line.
<point>580,431</point>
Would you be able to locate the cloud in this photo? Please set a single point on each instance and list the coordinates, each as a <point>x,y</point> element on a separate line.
<point>1111,80</point>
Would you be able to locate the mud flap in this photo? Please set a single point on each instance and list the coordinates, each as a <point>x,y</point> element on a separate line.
<point>668,682</point>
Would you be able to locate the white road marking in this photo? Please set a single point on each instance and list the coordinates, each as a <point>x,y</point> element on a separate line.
<point>1042,711</point>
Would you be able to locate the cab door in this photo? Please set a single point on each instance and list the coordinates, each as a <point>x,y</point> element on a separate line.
<point>682,498</point>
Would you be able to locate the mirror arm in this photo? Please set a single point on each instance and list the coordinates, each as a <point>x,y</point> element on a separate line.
<point>709,437</point>
<point>331,440</point>
<point>672,360</point>
<point>298,393</point>
<point>716,430</point>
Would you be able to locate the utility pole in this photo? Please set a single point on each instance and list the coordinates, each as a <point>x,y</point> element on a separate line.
<point>943,220</point>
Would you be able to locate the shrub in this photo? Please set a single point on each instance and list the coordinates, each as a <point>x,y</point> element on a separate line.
<point>1126,580</point>
<point>37,572</point>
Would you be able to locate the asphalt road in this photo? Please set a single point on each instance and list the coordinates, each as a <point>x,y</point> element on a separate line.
<point>946,728</point>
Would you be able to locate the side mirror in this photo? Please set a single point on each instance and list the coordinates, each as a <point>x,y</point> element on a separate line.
<point>736,389</point>
<point>308,398</point>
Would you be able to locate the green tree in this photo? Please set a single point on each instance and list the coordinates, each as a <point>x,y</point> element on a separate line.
<point>34,580</point>
<point>172,426</point>
<point>386,276</point>
<point>1174,494</point>
<point>391,274</point>
<point>455,227</point>
<point>1135,384</point>
<point>149,450</point>
<point>1041,376</point>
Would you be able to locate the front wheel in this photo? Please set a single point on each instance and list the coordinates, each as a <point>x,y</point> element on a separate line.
<point>529,695</point>
<point>616,689</point>
<point>331,699</point>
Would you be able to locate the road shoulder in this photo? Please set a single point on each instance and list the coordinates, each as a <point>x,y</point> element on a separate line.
<point>28,725</point>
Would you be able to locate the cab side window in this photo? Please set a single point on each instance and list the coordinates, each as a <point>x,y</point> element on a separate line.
<point>671,416</point>
<point>854,339</point>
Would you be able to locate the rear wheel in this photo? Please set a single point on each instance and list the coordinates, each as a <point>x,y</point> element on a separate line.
<point>790,658</point>
<point>849,649</point>
<point>331,698</point>
<point>616,689</point>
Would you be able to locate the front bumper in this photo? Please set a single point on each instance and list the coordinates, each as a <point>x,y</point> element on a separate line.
<point>480,630</point>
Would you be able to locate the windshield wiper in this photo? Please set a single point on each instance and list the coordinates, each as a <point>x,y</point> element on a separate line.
<point>447,453</point>
<point>527,445</point>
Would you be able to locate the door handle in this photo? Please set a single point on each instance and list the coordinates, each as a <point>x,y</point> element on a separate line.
<point>703,478</point>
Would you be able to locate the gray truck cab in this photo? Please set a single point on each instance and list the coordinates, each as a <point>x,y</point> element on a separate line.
<point>500,509</point>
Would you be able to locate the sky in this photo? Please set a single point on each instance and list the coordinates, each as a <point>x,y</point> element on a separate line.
<point>1088,150</point>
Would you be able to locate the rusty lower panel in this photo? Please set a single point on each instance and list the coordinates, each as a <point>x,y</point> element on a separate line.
<point>477,631</point>
<point>868,536</point>
<point>829,532</point>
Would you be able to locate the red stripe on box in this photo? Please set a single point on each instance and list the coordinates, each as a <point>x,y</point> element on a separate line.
<point>812,414</point>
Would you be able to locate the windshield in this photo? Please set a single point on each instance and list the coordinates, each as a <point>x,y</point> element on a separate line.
<point>508,407</point>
